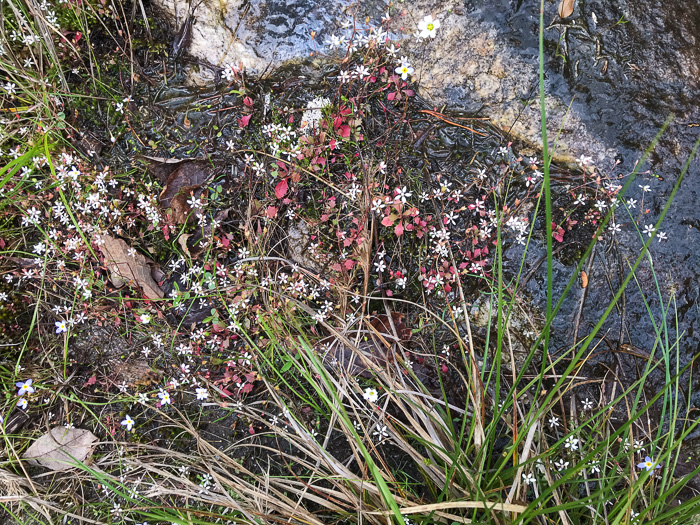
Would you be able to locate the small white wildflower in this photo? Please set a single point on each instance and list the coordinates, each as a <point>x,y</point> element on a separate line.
<point>371,395</point>
<point>428,27</point>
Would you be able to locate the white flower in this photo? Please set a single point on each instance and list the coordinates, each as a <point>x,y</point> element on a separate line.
<point>529,479</point>
<point>381,433</point>
<point>22,403</point>
<point>587,404</point>
<point>61,326</point>
<point>401,194</point>
<point>164,398</point>
<point>361,71</point>
<point>561,464</point>
<point>649,229</point>
<point>428,27</point>
<point>202,394</point>
<point>553,421</point>
<point>571,443</point>
<point>25,387</point>
<point>404,69</point>
<point>128,423</point>
<point>145,318</point>
<point>371,395</point>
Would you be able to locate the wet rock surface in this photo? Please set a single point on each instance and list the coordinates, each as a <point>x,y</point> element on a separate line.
<point>259,35</point>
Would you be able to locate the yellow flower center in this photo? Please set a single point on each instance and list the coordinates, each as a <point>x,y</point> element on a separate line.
<point>431,27</point>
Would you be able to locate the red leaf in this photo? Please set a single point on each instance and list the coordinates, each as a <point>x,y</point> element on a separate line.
<point>272,212</point>
<point>248,102</point>
<point>345,131</point>
<point>243,121</point>
<point>399,229</point>
<point>91,381</point>
<point>387,221</point>
<point>331,145</point>
<point>281,189</point>
<point>348,264</point>
<point>391,95</point>
<point>226,392</point>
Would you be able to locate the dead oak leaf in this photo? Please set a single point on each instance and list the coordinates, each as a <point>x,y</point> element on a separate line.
<point>124,267</point>
<point>61,447</point>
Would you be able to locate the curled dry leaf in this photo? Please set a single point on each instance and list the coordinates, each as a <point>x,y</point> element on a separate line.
<point>566,8</point>
<point>61,447</point>
<point>180,178</point>
<point>161,167</point>
<point>181,209</point>
<point>185,178</point>
<point>125,268</point>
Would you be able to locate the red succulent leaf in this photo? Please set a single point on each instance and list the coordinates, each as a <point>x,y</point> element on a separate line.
<point>281,189</point>
<point>243,121</point>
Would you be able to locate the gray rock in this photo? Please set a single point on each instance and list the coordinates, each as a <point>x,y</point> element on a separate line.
<point>259,35</point>
<point>522,330</point>
<point>605,80</point>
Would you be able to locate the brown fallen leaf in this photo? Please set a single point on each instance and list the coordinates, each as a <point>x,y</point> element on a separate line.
<point>383,326</point>
<point>161,167</point>
<point>180,208</point>
<point>182,241</point>
<point>61,447</point>
<point>566,8</point>
<point>125,268</point>
<point>185,178</point>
